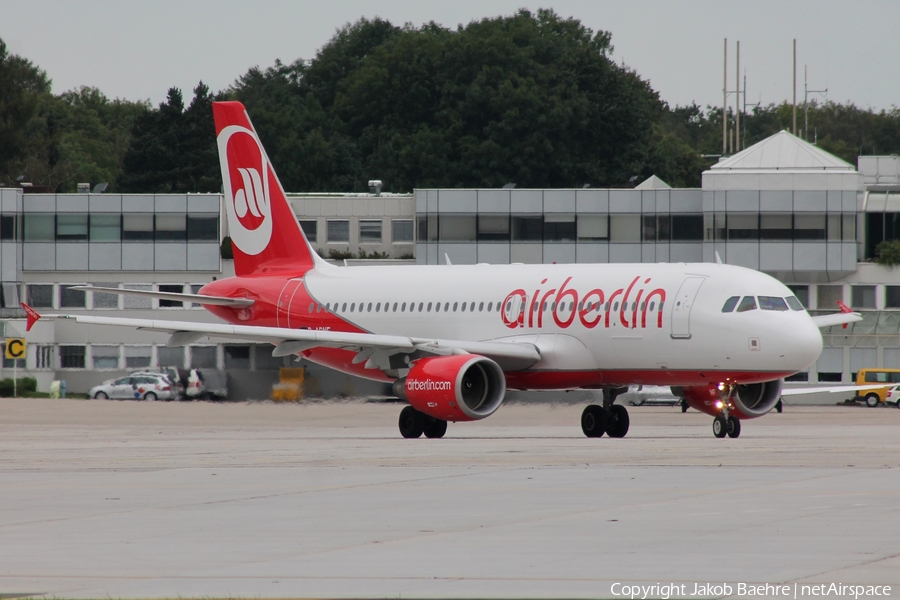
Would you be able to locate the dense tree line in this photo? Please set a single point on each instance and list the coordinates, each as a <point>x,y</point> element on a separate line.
<point>533,99</point>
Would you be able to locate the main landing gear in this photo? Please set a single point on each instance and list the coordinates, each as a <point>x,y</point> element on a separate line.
<point>726,423</point>
<point>611,418</point>
<point>414,423</point>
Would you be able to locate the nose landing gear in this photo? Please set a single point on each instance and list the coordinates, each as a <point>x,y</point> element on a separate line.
<point>726,423</point>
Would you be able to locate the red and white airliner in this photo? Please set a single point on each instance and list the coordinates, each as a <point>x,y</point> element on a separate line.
<point>452,339</point>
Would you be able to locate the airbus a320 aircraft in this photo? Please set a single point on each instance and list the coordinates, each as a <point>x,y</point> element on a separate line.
<point>454,339</point>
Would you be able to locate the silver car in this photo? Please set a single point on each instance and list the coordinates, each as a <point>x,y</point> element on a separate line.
<point>135,387</point>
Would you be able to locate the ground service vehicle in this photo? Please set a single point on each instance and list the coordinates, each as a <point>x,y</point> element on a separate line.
<point>873,397</point>
<point>135,387</point>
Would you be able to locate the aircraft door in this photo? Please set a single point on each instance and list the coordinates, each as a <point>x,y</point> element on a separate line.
<point>681,307</point>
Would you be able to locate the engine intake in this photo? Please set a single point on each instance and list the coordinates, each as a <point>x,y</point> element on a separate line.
<point>464,387</point>
<point>750,400</point>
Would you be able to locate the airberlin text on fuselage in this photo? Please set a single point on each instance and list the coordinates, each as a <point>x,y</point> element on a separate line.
<point>629,305</point>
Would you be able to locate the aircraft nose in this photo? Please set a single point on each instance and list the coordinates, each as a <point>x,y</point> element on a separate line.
<point>804,343</point>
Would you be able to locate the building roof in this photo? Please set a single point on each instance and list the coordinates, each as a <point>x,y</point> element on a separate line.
<point>782,152</point>
<point>653,183</point>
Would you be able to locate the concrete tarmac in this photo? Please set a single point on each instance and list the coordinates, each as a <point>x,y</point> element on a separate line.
<point>146,500</point>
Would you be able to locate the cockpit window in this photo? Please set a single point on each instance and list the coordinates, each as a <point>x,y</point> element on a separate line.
<point>772,303</point>
<point>748,303</point>
<point>794,303</point>
<point>730,304</point>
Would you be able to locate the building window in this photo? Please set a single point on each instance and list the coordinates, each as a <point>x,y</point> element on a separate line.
<point>9,227</point>
<point>71,227</point>
<point>106,228</point>
<point>834,227</point>
<point>527,228</point>
<point>39,227</point>
<point>369,232</point>
<point>39,295</point>
<point>687,228</point>
<point>493,228</point>
<point>743,227</point>
<point>43,356</point>
<point>559,228</point>
<point>892,296</point>
<point>170,357</point>
<point>137,302</point>
<point>202,229</point>
<point>11,363</point>
<point>105,357</point>
<point>171,228</point>
<point>802,294</point>
<point>714,225</point>
<point>829,296</point>
<point>776,226</point>
<point>863,296</point>
<point>625,228</point>
<point>101,300</point>
<point>310,228</point>
<point>9,295</point>
<point>138,357</point>
<point>338,230</point>
<point>176,288</point>
<point>457,228</point>
<point>71,357</point>
<point>203,357</point>
<point>69,298</point>
<point>264,359</point>
<point>137,228</point>
<point>237,357</point>
<point>592,228</point>
<point>402,231</point>
<point>809,226</point>
<point>849,228</point>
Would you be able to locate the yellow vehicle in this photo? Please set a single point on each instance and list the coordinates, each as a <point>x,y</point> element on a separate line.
<point>890,377</point>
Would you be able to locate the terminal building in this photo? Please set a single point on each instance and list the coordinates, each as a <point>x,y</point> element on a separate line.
<point>782,206</point>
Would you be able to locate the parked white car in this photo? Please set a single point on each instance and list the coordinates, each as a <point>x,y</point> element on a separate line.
<point>140,387</point>
<point>893,396</point>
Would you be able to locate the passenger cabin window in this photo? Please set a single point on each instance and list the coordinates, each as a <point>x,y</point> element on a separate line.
<point>730,304</point>
<point>748,303</point>
<point>772,303</point>
<point>794,303</point>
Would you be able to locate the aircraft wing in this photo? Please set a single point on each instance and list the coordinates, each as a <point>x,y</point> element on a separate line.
<point>511,355</point>
<point>177,297</point>
<point>833,389</point>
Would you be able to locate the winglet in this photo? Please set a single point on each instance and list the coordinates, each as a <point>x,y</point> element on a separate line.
<point>844,309</point>
<point>32,315</point>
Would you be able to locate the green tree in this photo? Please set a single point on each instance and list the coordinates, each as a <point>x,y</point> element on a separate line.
<point>173,148</point>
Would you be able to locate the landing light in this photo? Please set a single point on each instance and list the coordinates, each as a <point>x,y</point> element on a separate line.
<point>719,404</point>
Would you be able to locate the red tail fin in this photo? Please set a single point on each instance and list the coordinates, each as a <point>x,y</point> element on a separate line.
<point>265,235</point>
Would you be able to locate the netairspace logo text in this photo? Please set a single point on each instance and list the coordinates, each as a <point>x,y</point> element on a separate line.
<point>664,591</point>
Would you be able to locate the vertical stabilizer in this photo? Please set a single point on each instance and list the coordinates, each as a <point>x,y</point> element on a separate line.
<point>265,234</point>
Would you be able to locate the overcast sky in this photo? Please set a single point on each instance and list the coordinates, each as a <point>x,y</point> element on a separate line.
<point>138,49</point>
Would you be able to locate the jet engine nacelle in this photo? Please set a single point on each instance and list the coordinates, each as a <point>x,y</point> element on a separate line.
<point>463,387</point>
<point>750,401</point>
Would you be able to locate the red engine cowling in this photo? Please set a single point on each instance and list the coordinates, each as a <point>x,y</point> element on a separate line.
<point>464,387</point>
<point>750,401</point>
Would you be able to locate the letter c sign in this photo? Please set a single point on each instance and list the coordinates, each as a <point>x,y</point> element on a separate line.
<point>15,348</point>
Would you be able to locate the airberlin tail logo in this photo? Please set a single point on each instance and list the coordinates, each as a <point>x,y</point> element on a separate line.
<point>247,201</point>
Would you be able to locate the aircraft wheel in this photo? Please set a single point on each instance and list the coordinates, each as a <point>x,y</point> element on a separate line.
<point>593,421</point>
<point>619,422</point>
<point>720,426</point>
<point>411,423</point>
<point>684,405</point>
<point>733,426</point>
<point>872,400</point>
<point>436,428</point>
